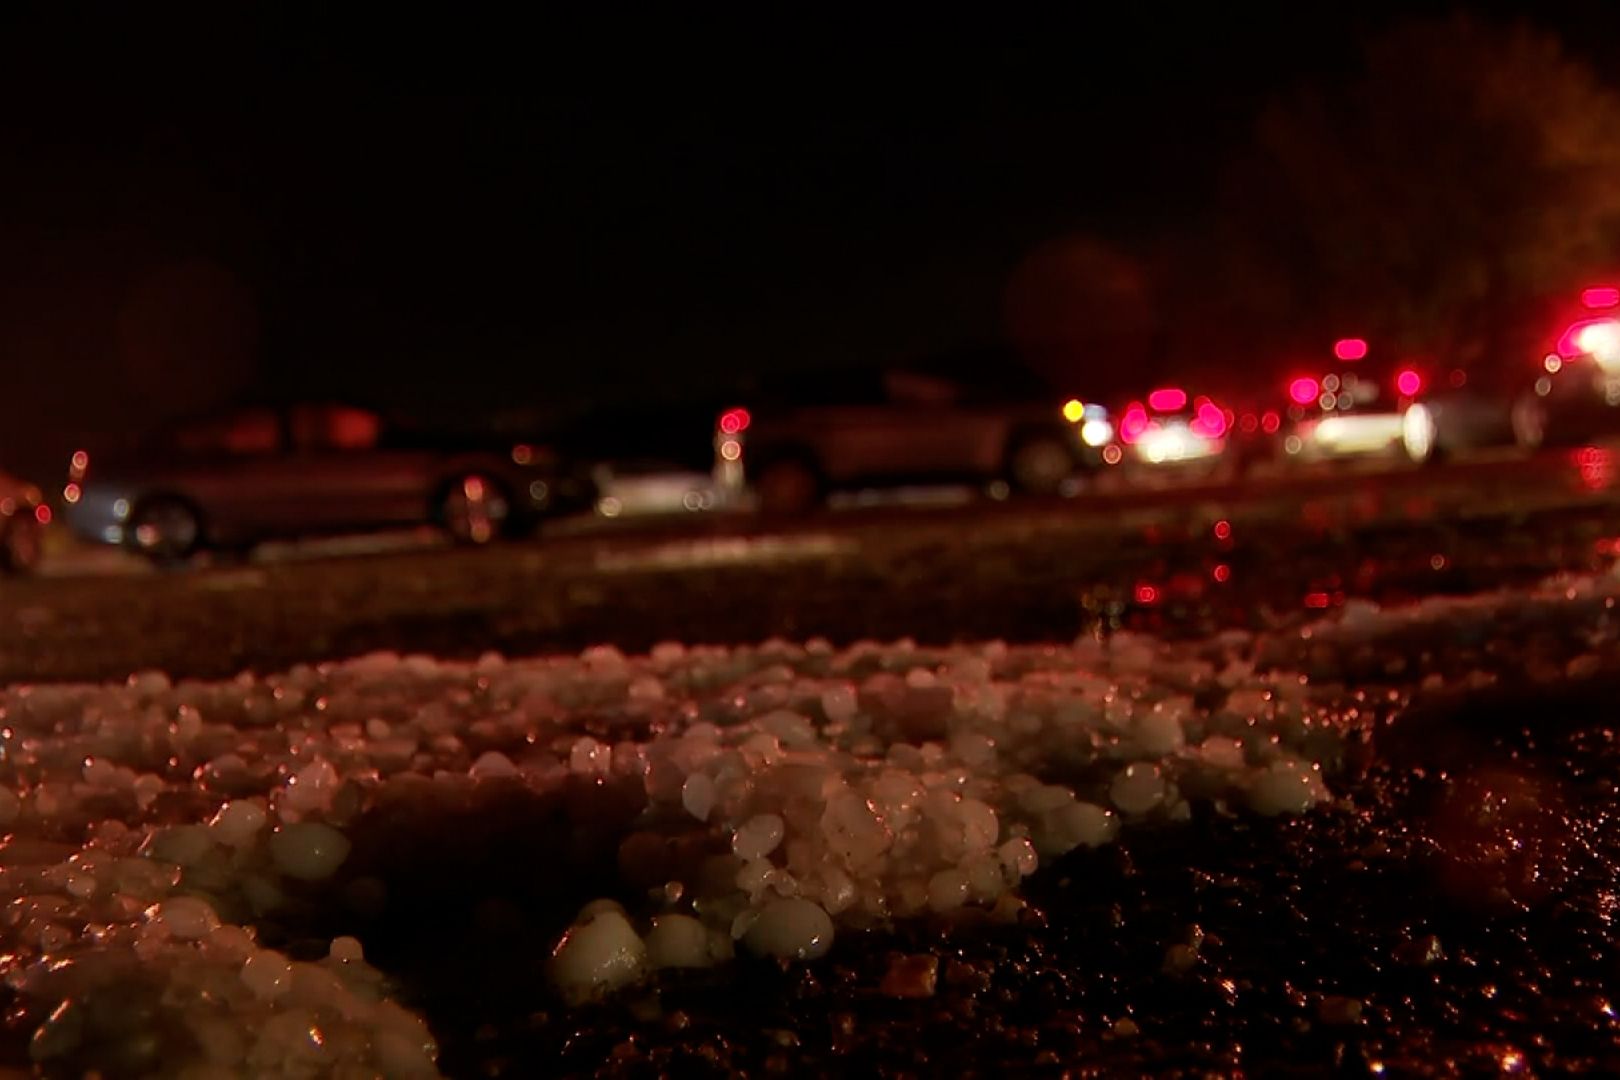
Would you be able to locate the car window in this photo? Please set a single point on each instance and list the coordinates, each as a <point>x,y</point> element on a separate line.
<point>334,427</point>
<point>254,431</point>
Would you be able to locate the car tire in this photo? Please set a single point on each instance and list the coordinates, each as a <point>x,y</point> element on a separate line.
<point>21,546</point>
<point>1041,464</point>
<point>474,509</point>
<point>165,528</point>
<point>787,487</point>
<point>1529,423</point>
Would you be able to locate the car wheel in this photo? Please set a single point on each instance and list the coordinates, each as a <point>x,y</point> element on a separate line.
<point>1529,423</point>
<point>787,486</point>
<point>1040,465</point>
<point>165,529</point>
<point>21,546</point>
<point>475,509</point>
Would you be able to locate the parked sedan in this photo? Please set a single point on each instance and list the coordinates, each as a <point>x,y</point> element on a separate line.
<point>22,521</point>
<point>253,474</point>
<point>927,424</point>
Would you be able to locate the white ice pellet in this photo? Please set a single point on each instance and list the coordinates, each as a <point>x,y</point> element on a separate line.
<point>1159,730</point>
<point>789,728</point>
<point>1287,786</point>
<point>1138,788</point>
<point>99,772</point>
<point>492,764</point>
<point>185,917</point>
<point>312,787</point>
<point>980,826</point>
<point>183,845</point>
<point>1221,752</point>
<point>1045,798</point>
<point>238,822</point>
<point>697,796</point>
<point>268,974</point>
<point>838,703</point>
<point>600,906</point>
<point>308,850</point>
<point>646,689</point>
<point>790,929</point>
<point>679,941</point>
<point>346,950</point>
<point>1083,825</point>
<point>589,757</point>
<point>757,837</point>
<point>597,956</point>
<point>1018,856</point>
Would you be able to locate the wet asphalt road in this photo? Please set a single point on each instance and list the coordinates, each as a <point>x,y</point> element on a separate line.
<point>1138,554</point>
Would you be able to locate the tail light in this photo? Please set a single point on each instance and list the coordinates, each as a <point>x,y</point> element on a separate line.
<point>735,421</point>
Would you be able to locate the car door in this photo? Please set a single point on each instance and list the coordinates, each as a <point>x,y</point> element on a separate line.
<point>346,474</point>
<point>232,467</point>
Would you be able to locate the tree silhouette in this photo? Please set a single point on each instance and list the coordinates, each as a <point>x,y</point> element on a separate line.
<point>1469,172</point>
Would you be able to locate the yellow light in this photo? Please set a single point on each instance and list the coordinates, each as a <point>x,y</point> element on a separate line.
<point>731,449</point>
<point>1073,410</point>
<point>70,493</point>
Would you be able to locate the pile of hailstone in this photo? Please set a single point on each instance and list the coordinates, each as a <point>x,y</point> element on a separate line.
<point>152,826</point>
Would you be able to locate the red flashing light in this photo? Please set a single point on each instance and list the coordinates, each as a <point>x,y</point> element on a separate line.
<point>1221,573</point>
<point>1210,420</point>
<point>1134,423</point>
<point>1317,600</point>
<point>1249,424</point>
<point>1302,391</point>
<point>1350,348</point>
<point>1168,399</point>
<point>734,421</point>
<point>1408,382</point>
<point>1599,297</point>
<point>1223,530</point>
<point>1270,422</point>
<point>1578,339</point>
<point>1147,594</point>
<point>42,514</point>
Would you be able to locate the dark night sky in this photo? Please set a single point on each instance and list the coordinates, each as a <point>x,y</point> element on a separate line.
<point>464,210</point>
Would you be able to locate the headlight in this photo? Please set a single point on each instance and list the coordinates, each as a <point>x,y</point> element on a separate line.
<point>1096,432</point>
